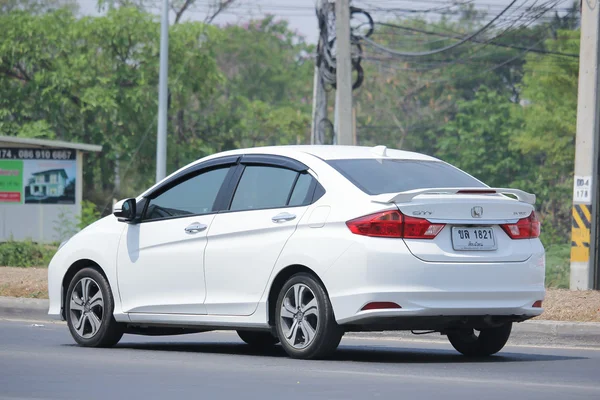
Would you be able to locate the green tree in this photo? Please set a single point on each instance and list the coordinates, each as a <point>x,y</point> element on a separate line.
<point>94,80</point>
<point>547,134</point>
<point>478,140</point>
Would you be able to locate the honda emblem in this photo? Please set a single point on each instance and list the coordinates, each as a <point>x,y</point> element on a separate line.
<point>477,212</point>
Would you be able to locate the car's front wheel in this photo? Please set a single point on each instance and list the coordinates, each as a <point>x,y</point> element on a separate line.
<point>304,319</point>
<point>89,306</point>
<point>484,343</point>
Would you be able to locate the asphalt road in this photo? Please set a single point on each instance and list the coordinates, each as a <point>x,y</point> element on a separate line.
<point>42,362</point>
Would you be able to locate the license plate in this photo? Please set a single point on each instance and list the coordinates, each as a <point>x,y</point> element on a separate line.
<point>464,238</point>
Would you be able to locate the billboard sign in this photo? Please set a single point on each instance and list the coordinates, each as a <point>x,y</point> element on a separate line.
<point>37,176</point>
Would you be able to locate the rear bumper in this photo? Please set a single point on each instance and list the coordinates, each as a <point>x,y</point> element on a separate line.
<point>437,304</point>
<point>378,270</point>
<point>443,324</point>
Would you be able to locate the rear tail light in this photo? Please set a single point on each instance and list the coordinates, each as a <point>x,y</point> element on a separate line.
<point>394,224</point>
<point>526,228</point>
<point>537,304</point>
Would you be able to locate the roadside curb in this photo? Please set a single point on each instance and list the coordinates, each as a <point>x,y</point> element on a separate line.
<point>534,333</point>
<point>24,308</point>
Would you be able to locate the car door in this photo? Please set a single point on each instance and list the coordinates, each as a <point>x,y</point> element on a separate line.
<point>160,265</point>
<point>245,241</point>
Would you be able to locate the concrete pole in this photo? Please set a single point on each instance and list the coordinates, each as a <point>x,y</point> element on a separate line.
<point>161,137</point>
<point>343,93</point>
<point>585,191</point>
<point>319,108</point>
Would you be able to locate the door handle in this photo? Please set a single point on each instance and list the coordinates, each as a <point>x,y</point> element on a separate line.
<point>283,217</point>
<point>195,227</point>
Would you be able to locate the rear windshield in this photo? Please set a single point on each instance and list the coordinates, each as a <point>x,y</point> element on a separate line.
<point>374,176</point>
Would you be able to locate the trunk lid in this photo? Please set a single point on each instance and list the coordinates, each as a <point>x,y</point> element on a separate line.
<point>466,212</point>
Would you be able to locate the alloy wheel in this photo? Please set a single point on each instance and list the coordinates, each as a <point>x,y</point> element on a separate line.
<point>86,307</point>
<point>299,316</point>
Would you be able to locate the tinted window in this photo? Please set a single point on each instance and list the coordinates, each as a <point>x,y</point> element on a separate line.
<point>301,195</point>
<point>390,176</point>
<point>194,196</point>
<point>263,187</point>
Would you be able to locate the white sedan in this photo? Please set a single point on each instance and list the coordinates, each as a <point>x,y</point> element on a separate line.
<point>301,244</point>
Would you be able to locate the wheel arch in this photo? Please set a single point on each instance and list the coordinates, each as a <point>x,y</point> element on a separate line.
<point>282,277</point>
<point>71,272</point>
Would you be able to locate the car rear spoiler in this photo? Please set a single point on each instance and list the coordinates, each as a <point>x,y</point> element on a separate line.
<point>407,196</point>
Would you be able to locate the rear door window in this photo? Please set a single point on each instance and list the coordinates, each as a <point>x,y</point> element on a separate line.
<point>375,176</point>
<point>263,187</point>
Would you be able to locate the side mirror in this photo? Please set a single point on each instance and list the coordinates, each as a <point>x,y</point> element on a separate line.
<point>125,210</point>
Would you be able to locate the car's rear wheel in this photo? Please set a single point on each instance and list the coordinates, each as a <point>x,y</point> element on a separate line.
<point>481,343</point>
<point>257,339</point>
<point>304,319</point>
<point>89,306</point>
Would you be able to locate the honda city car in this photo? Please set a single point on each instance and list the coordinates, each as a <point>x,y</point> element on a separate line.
<point>300,244</point>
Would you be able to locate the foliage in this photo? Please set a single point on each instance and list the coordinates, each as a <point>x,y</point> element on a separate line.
<point>89,214</point>
<point>65,225</point>
<point>94,80</point>
<point>477,140</point>
<point>547,135</point>
<point>558,266</point>
<point>26,253</point>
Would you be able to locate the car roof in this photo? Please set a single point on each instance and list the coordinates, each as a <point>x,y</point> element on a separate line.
<point>333,152</point>
<point>323,152</point>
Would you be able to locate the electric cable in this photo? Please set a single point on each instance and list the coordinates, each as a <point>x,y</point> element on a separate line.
<point>510,46</point>
<point>443,49</point>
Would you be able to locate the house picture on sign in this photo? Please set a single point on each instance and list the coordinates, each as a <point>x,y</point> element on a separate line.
<point>49,182</point>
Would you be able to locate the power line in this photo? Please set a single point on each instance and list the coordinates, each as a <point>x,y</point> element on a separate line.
<point>510,46</point>
<point>449,47</point>
<point>481,72</point>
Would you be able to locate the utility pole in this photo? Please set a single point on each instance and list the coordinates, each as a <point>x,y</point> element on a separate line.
<point>319,108</point>
<point>343,94</point>
<point>161,137</point>
<point>585,228</point>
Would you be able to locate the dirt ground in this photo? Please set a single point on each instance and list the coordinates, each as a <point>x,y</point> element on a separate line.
<point>566,305</point>
<point>24,282</point>
<point>559,305</point>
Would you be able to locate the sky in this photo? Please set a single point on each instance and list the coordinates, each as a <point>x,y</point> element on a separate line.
<point>301,13</point>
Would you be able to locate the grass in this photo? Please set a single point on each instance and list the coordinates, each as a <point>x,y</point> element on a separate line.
<point>26,254</point>
<point>558,266</point>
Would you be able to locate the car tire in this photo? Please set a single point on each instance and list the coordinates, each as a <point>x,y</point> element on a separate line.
<point>488,342</point>
<point>257,339</point>
<point>89,307</point>
<point>304,319</point>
